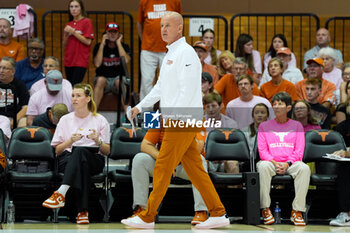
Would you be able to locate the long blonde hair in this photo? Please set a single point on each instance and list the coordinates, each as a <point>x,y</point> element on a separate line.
<point>88,92</point>
<point>224,54</point>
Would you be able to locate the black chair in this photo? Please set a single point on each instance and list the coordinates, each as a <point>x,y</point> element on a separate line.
<point>31,170</point>
<point>231,144</point>
<point>2,175</point>
<point>124,146</point>
<point>317,144</point>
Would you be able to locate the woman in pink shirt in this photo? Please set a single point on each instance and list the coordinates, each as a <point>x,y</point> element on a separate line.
<point>302,113</point>
<point>281,145</point>
<point>81,139</point>
<point>208,36</point>
<point>77,39</point>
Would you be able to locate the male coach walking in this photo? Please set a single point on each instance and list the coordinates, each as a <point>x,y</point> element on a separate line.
<point>178,89</point>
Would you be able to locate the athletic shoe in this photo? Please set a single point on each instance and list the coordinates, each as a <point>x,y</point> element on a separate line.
<point>138,209</point>
<point>137,222</point>
<point>83,217</point>
<point>297,218</point>
<point>342,220</point>
<point>214,222</point>
<point>55,201</point>
<point>199,216</point>
<point>267,216</point>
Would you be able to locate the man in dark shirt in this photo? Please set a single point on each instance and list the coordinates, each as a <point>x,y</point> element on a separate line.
<point>51,117</point>
<point>7,71</point>
<point>107,60</point>
<point>320,113</point>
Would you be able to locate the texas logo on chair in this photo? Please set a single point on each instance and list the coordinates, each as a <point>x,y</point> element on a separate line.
<point>227,132</point>
<point>323,134</point>
<point>32,131</point>
<point>129,131</point>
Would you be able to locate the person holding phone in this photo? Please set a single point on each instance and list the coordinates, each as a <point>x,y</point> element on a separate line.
<point>107,60</point>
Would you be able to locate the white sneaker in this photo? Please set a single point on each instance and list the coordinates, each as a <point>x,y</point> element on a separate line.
<point>137,222</point>
<point>214,222</point>
<point>342,220</point>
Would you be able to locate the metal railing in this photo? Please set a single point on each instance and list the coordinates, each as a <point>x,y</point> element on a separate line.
<point>339,29</point>
<point>299,29</point>
<point>53,23</point>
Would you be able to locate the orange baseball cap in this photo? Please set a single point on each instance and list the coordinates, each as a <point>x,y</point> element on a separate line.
<point>200,44</point>
<point>284,50</point>
<point>316,60</point>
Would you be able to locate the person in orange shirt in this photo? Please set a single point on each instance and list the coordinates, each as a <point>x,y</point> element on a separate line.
<point>277,83</point>
<point>8,47</point>
<point>202,50</point>
<point>152,46</point>
<point>227,86</point>
<point>315,70</point>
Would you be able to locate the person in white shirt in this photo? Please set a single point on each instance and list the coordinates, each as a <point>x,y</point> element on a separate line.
<point>238,109</point>
<point>179,90</point>
<point>290,73</point>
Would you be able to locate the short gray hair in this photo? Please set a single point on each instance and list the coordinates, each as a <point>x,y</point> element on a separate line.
<point>53,58</point>
<point>11,60</point>
<point>37,40</point>
<point>240,60</point>
<point>328,51</point>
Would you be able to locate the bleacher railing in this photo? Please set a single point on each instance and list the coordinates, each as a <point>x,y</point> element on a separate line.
<point>340,34</point>
<point>53,23</point>
<point>299,29</point>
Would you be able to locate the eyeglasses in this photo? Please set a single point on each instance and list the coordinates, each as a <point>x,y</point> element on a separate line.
<point>299,108</point>
<point>112,25</point>
<point>5,68</point>
<point>35,48</point>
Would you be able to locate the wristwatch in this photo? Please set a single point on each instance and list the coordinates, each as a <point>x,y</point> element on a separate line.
<point>289,163</point>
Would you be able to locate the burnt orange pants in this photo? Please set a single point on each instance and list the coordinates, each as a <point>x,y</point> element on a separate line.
<point>179,145</point>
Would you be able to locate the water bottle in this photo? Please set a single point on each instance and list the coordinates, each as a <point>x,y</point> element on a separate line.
<point>277,213</point>
<point>11,213</point>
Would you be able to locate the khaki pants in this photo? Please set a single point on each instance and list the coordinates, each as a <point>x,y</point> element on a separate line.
<point>179,145</point>
<point>301,175</point>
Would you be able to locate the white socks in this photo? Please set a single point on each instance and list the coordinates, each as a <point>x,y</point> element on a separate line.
<point>63,189</point>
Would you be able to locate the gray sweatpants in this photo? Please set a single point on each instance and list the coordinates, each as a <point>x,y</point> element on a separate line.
<point>301,175</point>
<point>142,169</point>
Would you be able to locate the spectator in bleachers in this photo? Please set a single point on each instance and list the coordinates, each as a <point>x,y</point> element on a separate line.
<point>342,112</point>
<point>277,83</point>
<point>239,108</point>
<point>142,168</point>
<point>30,69</point>
<point>244,48</point>
<point>260,113</point>
<point>278,41</point>
<point>343,181</point>
<point>52,94</point>
<point>281,145</point>
<point>225,63</point>
<point>290,73</point>
<point>107,60</point>
<point>202,49</point>
<point>302,112</point>
<point>318,111</point>
<point>315,70</point>
<point>51,117</point>
<point>330,71</point>
<point>8,47</point>
<point>77,38</point>
<point>50,63</point>
<point>323,37</point>
<point>152,46</point>
<point>208,36</point>
<point>81,129</point>
<point>344,86</point>
<point>7,71</point>
<point>227,85</point>
<point>5,126</point>
<point>213,105</point>
<point>207,83</point>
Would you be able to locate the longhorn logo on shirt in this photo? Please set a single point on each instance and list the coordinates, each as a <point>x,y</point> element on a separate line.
<point>323,134</point>
<point>227,133</point>
<point>130,131</point>
<point>281,135</point>
<point>32,131</point>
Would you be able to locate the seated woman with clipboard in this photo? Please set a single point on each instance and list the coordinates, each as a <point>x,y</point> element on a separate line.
<point>81,139</point>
